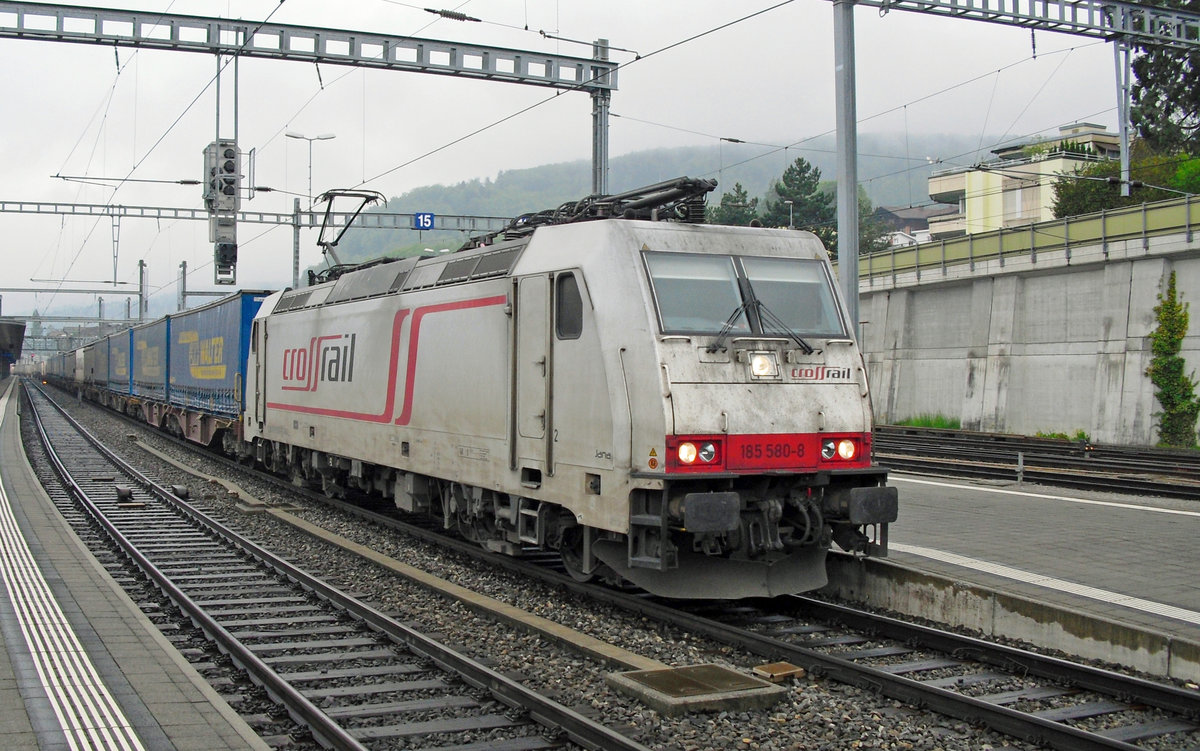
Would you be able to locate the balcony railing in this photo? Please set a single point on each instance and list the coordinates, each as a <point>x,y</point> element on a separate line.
<point>1031,159</point>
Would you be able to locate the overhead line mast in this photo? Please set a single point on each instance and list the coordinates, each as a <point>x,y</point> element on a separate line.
<point>1123,23</point>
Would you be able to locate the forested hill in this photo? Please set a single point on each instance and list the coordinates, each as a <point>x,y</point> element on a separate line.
<point>893,170</point>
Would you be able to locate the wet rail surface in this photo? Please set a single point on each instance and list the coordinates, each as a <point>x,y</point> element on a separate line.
<point>353,676</point>
<point>1019,692</point>
<point>1052,702</point>
<point>1075,464</point>
<point>1025,694</point>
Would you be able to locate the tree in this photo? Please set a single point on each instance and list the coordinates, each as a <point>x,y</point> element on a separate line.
<point>1187,177</point>
<point>872,233</point>
<point>812,208</point>
<point>736,208</point>
<point>1096,187</point>
<point>1166,96</point>
<point>1175,391</point>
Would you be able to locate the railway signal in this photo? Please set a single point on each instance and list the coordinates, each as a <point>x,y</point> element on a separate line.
<point>222,198</point>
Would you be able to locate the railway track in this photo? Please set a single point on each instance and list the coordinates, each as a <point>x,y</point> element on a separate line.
<point>1051,702</point>
<point>1034,697</point>
<point>1014,691</point>
<point>353,676</point>
<point>1017,692</point>
<point>1166,472</point>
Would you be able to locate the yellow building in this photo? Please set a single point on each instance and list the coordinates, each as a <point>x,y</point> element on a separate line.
<point>1016,188</point>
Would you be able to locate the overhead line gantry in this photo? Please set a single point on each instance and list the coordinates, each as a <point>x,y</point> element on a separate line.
<point>240,38</point>
<point>275,41</point>
<point>1125,24</point>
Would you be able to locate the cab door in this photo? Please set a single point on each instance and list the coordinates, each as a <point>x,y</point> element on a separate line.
<point>258,352</point>
<point>531,416</point>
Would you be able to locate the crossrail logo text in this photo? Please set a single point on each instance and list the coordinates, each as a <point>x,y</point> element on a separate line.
<point>821,373</point>
<point>326,358</point>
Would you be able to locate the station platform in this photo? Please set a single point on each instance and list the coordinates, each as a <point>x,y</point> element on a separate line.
<point>80,666</point>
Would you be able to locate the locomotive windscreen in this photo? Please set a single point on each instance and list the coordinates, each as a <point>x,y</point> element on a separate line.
<point>799,292</point>
<point>698,293</point>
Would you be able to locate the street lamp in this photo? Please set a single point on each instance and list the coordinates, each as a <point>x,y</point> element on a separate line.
<point>302,137</point>
<point>789,205</point>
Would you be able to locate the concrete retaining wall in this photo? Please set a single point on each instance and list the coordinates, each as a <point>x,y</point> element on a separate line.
<point>1052,341</point>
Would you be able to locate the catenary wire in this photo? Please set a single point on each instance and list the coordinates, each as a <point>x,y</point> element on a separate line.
<point>155,145</point>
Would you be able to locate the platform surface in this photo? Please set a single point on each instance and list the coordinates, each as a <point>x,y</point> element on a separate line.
<point>159,701</point>
<point>1131,558</point>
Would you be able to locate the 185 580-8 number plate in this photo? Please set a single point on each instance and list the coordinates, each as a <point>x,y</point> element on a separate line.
<point>773,451</point>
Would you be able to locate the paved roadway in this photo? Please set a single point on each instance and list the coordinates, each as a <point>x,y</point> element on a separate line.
<point>1136,559</point>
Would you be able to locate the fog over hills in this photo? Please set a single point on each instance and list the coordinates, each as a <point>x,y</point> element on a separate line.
<point>893,169</point>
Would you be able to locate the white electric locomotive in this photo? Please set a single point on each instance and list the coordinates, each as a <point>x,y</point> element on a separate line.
<point>680,405</point>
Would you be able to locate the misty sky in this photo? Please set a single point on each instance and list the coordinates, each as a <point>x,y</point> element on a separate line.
<point>68,111</point>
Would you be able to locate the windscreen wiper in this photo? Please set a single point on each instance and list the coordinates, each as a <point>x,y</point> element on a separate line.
<point>757,313</point>
<point>718,343</point>
<point>777,324</point>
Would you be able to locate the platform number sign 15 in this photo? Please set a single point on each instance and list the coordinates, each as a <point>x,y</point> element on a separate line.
<point>423,220</point>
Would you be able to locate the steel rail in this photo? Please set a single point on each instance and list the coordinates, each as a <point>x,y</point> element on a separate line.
<point>1002,719</point>
<point>300,708</point>
<point>1006,457</point>
<point>1060,478</point>
<point>999,718</point>
<point>1184,461</point>
<point>544,711</point>
<point>1128,688</point>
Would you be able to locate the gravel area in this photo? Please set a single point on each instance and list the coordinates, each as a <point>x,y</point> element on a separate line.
<point>816,714</point>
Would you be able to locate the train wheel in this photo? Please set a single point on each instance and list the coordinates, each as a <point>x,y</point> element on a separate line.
<point>467,531</point>
<point>296,475</point>
<point>572,555</point>
<point>331,487</point>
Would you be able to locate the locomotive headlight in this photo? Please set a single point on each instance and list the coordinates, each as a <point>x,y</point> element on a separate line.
<point>842,448</point>
<point>695,453</point>
<point>763,365</point>
<point>688,453</point>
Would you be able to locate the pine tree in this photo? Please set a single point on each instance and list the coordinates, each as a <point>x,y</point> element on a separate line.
<point>812,208</point>
<point>736,208</point>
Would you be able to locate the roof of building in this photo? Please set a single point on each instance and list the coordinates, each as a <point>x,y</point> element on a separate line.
<point>909,218</point>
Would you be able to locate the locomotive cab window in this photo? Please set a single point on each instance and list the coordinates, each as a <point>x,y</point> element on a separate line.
<point>568,313</point>
<point>696,294</point>
<point>709,294</point>
<point>798,292</point>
